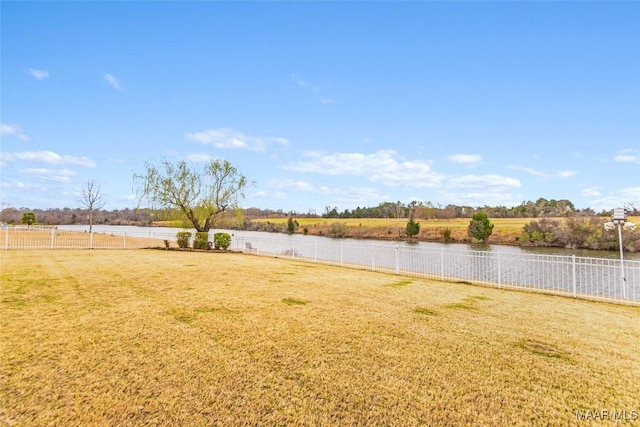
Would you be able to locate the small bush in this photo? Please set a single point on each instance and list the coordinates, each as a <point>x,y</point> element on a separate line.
<point>337,229</point>
<point>446,234</point>
<point>222,241</point>
<point>183,238</point>
<point>201,239</point>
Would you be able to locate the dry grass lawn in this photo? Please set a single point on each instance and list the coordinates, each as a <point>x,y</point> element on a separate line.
<point>151,337</point>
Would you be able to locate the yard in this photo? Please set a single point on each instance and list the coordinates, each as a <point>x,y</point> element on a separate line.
<point>154,337</point>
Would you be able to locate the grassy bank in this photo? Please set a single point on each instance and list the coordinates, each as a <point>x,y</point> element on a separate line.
<point>506,231</point>
<point>147,337</point>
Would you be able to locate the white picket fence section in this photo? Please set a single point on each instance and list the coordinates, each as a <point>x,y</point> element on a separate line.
<point>579,277</point>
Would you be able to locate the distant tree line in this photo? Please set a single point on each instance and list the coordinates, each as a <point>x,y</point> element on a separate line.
<point>541,208</point>
<point>68,216</point>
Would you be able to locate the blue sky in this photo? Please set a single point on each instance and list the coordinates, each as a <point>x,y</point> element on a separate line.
<point>325,103</point>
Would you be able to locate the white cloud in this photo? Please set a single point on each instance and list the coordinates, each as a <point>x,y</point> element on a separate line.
<point>224,138</point>
<point>46,157</point>
<point>13,130</point>
<point>465,158</point>
<point>38,74</point>
<point>324,100</point>
<point>291,185</point>
<point>198,157</point>
<point>381,166</point>
<point>481,198</point>
<point>632,194</point>
<point>57,175</point>
<point>591,191</point>
<point>298,80</point>
<point>566,174</point>
<point>617,198</point>
<point>627,156</point>
<point>113,81</point>
<point>529,171</point>
<point>484,181</point>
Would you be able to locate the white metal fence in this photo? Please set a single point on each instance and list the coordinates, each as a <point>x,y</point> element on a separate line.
<point>53,238</point>
<point>580,277</point>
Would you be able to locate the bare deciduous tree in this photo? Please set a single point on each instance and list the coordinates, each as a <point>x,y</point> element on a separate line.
<point>200,195</point>
<point>92,200</point>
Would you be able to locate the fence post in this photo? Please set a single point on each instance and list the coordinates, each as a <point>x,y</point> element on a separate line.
<point>373,257</point>
<point>91,240</point>
<point>315,252</point>
<point>52,236</point>
<point>441,263</point>
<point>397,259</point>
<point>124,244</point>
<point>499,273</point>
<point>341,253</point>
<point>6,238</point>
<point>573,263</point>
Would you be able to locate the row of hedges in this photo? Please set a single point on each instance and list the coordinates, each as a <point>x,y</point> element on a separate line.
<point>201,240</point>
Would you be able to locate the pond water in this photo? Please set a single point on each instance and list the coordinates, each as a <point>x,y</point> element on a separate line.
<point>238,235</point>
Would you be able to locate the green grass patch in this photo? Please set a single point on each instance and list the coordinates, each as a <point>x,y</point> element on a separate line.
<point>400,284</point>
<point>206,310</point>
<point>425,311</point>
<point>461,306</point>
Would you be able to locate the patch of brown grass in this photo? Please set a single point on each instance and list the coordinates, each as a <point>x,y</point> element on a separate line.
<point>185,338</point>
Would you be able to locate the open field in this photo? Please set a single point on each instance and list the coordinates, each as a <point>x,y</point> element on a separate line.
<point>508,223</point>
<point>499,223</point>
<point>152,337</point>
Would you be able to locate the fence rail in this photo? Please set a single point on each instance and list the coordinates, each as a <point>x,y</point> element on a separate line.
<point>579,277</point>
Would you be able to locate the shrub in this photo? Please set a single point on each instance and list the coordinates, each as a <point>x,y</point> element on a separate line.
<point>222,241</point>
<point>337,229</point>
<point>412,228</point>
<point>183,238</point>
<point>446,234</point>
<point>201,240</point>
<point>480,228</point>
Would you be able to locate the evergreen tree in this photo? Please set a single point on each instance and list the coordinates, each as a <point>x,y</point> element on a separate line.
<point>480,228</point>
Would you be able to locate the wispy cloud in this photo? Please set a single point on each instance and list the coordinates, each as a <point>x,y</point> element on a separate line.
<point>481,198</point>
<point>465,159</point>
<point>325,100</point>
<point>484,181</point>
<point>567,174</point>
<point>627,156</point>
<point>291,185</point>
<point>229,139</point>
<point>13,130</point>
<point>529,171</point>
<point>619,198</point>
<point>57,175</point>
<point>381,166</point>
<point>48,157</point>
<point>591,191</point>
<point>198,157</point>
<point>113,81</point>
<point>38,74</point>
